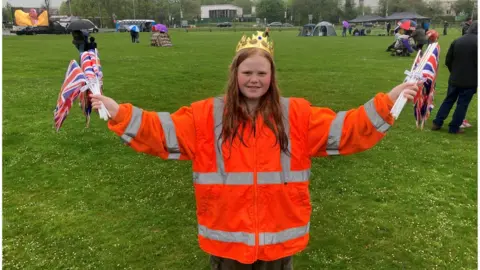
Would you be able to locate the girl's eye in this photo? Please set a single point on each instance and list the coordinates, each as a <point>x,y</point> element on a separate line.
<point>247,72</point>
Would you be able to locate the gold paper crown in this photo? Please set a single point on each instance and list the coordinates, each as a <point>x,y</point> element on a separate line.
<point>258,40</point>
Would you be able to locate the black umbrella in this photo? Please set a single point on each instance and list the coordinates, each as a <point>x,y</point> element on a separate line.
<point>80,25</point>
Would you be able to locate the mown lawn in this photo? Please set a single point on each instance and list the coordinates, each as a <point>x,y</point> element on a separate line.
<point>79,199</point>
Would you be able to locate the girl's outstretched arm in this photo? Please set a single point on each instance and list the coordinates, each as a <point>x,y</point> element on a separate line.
<point>355,130</point>
<point>169,136</point>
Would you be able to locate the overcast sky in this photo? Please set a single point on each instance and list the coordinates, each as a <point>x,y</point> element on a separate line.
<point>31,3</point>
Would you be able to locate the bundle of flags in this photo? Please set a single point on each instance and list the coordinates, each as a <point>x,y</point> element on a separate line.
<point>425,70</point>
<point>423,102</point>
<point>90,63</point>
<point>75,79</point>
<point>80,81</point>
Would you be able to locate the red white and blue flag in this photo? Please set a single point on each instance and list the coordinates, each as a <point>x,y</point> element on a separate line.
<point>424,99</point>
<point>74,80</point>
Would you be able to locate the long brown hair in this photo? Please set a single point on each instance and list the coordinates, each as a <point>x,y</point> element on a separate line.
<point>236,114</point>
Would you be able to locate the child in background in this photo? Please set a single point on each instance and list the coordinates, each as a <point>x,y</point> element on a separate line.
<point>92,45</point>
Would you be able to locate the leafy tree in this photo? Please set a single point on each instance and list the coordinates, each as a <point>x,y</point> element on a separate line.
<point>273,10</point>
<point>246,5</point>
<point>7,13</point>
<point>349,11</point>
<point>464,6</point>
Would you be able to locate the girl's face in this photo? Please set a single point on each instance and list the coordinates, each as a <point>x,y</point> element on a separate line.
<point>254,76</point>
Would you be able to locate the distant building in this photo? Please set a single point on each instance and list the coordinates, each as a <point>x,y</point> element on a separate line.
<point>220,11</point>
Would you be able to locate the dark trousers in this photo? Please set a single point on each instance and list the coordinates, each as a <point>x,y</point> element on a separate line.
<point>462,96</point>
<point>391,47</point>
<point>217,263</point>
<point>133,37</point>
<point>80,47</point>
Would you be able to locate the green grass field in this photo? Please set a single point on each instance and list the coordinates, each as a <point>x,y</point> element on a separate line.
<point>79,199</point>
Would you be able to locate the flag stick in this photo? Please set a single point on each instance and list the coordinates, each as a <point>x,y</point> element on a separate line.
<point>412,76</point>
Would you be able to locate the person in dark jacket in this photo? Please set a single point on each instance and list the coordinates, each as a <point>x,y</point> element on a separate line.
<point>445,28</point>
<point>466,25</point>
<point>79,41</point>
<point>133,35</point>
<point>461,61</point>
<point>420,37</point>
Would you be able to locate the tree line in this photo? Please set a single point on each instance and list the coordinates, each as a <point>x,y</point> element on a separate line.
<point>291,11</point>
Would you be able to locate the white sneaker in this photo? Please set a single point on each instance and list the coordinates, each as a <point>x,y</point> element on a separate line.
<point>465,124</point>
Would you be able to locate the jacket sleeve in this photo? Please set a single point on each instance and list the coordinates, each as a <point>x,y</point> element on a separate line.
<point>349,132</point>
<point>449,57</point>
<point>169,136</point>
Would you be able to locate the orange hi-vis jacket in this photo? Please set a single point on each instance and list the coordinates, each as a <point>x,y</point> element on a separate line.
<point>253,201</point>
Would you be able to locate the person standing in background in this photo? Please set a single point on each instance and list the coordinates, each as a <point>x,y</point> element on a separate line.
<point>420,37</point>
<point>461,61</point>
<point>466,25</point>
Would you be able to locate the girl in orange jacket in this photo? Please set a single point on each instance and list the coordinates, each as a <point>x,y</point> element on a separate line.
<point>251,152</point>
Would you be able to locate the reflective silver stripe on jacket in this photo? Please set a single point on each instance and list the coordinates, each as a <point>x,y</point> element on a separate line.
<point>285,159</point>
<point>335,134</point>
<point>168,129</point>
<point>170,135</point>
<point>133,125</point>
<point>246,178</point>
<point>265,238</point>
<point>229,237</point>
<point>375,118</point>
<point>218,106</point>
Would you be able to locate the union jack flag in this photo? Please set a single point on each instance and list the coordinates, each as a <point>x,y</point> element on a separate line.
<point>424,99</point>
<point>91,64</point>
<point>87,65</point>
<point>74,80</point>
<point>96,65</point>
<point>92,69</point>
<point>431,67</point>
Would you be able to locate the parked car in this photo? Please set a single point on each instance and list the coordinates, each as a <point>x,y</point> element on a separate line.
<point>29,30</point>
<point>93,30</point>
<point>224,24</point>
<point>275,24</point>
<point>53,28</point>
<point>288,25</point>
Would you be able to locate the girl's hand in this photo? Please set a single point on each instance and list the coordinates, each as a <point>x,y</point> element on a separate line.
<point>110,104</point>
<point>410,89</point>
